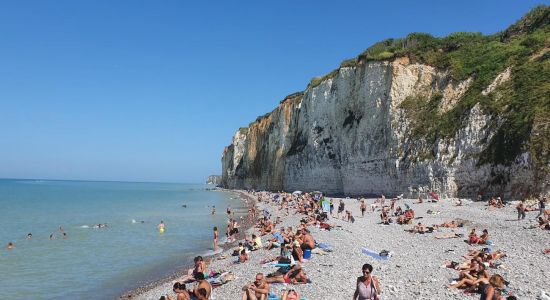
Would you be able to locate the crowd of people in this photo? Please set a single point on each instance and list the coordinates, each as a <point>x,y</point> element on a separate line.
<point>290,247</point>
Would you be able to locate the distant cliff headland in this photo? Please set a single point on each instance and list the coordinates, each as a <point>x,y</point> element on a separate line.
<point>214,179</point>
<point>463,115</point>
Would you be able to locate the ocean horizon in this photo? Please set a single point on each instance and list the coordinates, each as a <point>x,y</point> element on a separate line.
<point>102,263</point>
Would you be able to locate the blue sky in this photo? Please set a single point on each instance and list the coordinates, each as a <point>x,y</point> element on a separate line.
<point>154,90</point>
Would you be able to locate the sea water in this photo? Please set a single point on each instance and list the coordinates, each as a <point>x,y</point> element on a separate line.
<point>92,263</point>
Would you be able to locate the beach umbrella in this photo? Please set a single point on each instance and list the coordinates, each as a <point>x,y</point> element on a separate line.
<point>297,193</point>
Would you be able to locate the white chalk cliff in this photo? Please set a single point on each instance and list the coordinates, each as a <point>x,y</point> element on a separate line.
<point>350,134</point>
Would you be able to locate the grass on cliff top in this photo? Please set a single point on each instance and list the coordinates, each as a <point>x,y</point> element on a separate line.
<point>522,104</point>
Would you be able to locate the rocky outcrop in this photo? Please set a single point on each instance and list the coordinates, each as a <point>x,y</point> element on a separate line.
<point>356,132</point>
<point>214,179</point>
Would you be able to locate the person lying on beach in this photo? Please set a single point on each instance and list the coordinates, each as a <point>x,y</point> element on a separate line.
<point>367,286</point>
<point>296,275</point>
<point>475,253</point>
<point>468,266</point>
<point>290,295</point>
<point>471,282</point>
<point>451,224</point>
<point>419,228</point>
<point>202,283</point>
<point>257,290</point>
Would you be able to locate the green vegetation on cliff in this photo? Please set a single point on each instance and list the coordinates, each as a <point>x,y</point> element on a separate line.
<point>520,107</point>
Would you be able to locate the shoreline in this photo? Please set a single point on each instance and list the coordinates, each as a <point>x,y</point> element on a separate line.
<point>415,269</point>
<point>170,278</point>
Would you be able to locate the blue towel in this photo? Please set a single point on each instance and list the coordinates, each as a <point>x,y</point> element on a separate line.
<point>373,254</point>
<point>324,246</point>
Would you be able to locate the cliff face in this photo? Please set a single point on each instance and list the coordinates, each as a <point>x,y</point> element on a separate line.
<point>361,131</point>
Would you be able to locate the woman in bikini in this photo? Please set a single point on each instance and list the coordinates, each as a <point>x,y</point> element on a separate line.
<point>368,286</point>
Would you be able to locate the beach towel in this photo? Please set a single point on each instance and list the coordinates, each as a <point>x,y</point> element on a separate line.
<point>276,264</point>
<point>324,246</point>
<point>272,296</point>
<point>375,254</point>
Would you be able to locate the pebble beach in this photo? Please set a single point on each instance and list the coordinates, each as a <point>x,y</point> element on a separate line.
<point>416,268</point>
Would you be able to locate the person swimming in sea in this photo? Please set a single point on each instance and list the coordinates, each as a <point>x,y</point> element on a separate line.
<point>64,235</point>
<point>213,209</point>
<point>52,237</point>
<point>29,236</point>
<point>161,226</point>
<point>10,246</point>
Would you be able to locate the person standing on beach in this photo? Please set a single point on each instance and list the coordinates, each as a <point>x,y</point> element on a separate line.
<point>363,207</point>
<point>521,210</point>
<point>215,238</point>
<point>368,286</point>
<point>340,208</point>
<point>542,206</point>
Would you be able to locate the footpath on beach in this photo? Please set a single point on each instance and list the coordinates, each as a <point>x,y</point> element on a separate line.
<point>407,264</point>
